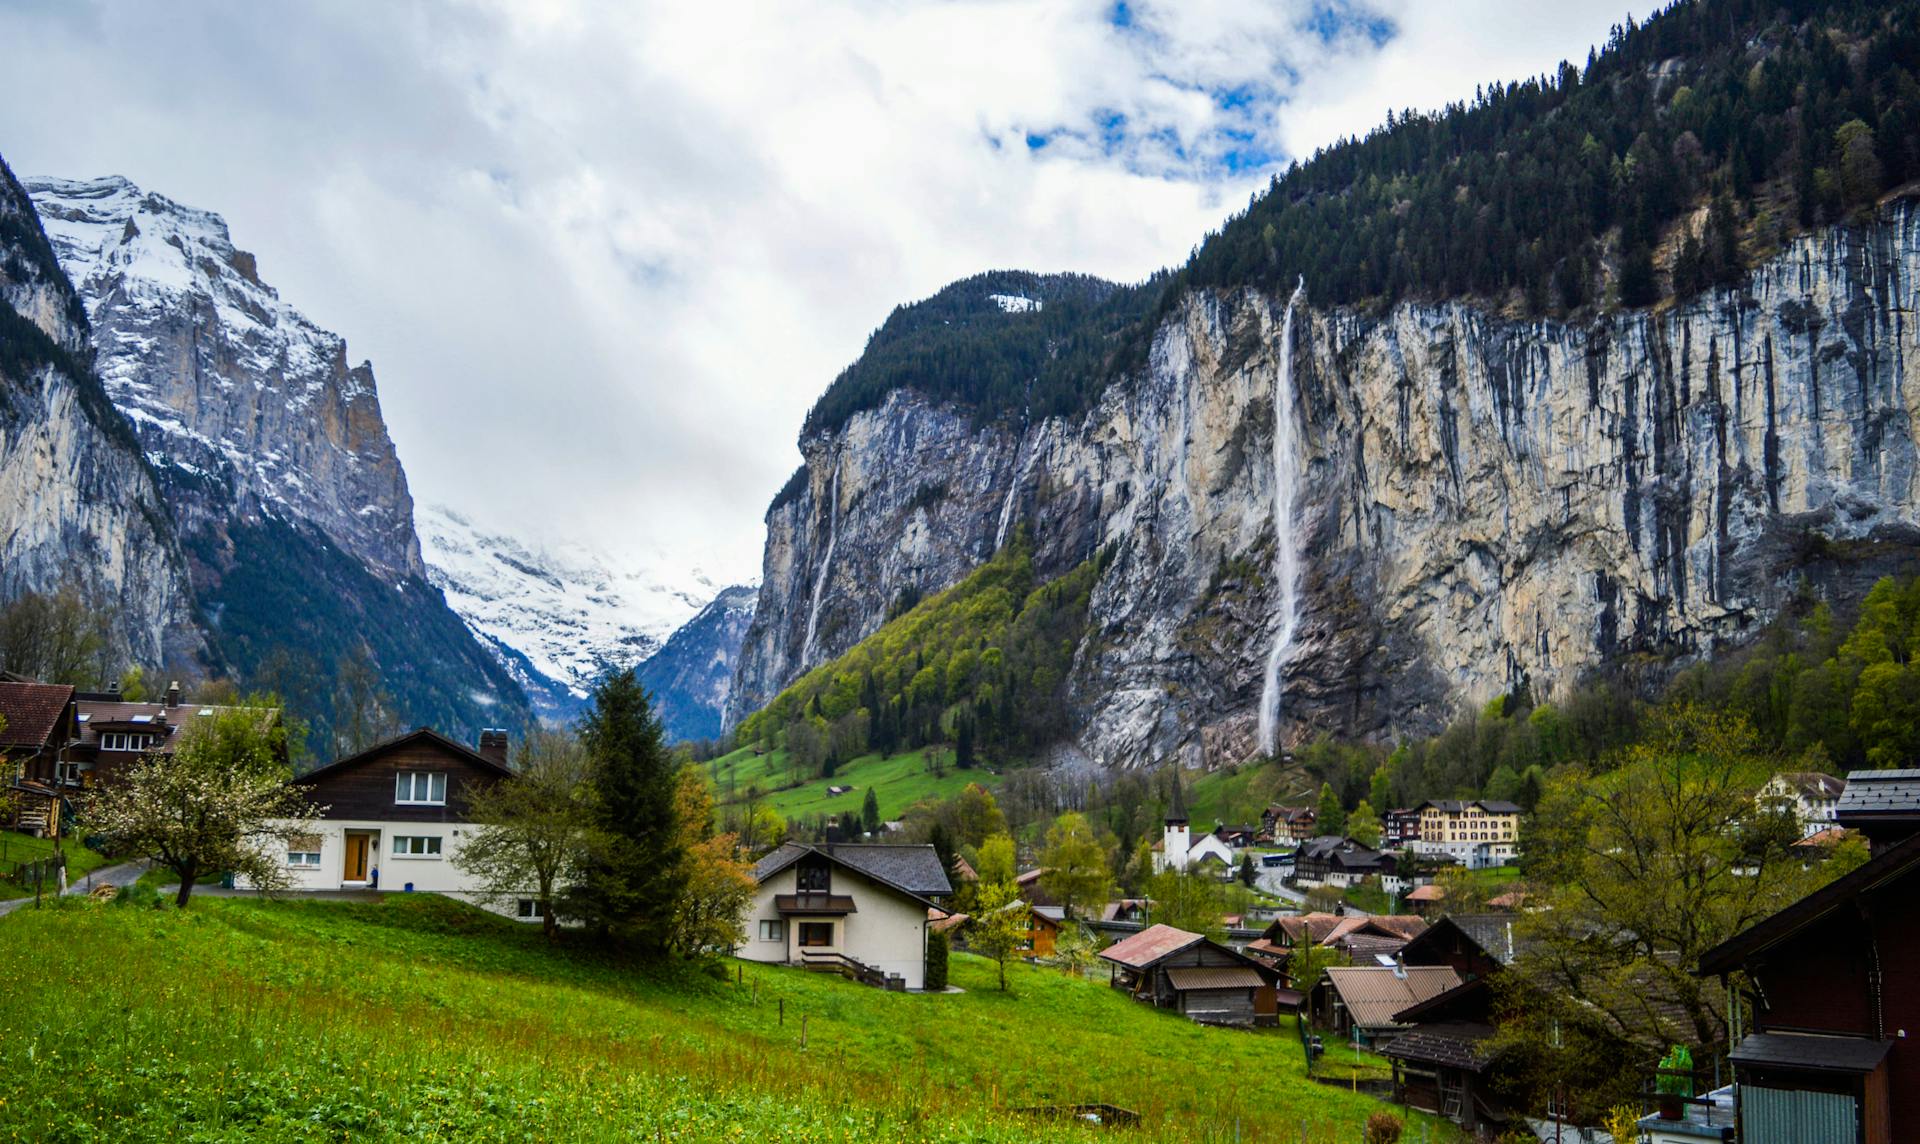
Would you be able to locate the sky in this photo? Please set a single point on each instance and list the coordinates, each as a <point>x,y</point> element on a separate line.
<point>604,254</point>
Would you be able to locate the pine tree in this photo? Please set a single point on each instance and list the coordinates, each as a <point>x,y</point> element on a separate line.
<point>870,812</point>
<point>631,880</point>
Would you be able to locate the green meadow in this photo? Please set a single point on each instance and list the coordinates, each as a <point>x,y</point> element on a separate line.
<point>421,1018</point>
<point>898,781</point>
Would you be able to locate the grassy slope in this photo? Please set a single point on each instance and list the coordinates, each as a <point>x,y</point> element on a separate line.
<point>900,781</point>
<point>420,1017</point>
<point>16,848</point>
<point>1237,795</point>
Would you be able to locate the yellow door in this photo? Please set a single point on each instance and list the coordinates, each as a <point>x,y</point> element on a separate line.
<point>356,858</point>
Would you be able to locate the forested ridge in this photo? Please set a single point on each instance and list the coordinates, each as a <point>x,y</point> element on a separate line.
<point>1685,150</point>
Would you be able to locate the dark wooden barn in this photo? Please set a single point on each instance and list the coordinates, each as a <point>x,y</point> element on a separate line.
<point>1200,978</point>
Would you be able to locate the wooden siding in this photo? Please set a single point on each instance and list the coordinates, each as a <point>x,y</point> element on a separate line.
<point>364,791</point>
<point>1822,980</point>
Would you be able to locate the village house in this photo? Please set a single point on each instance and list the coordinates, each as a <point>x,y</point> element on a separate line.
<point>1477,834</point>
<point>36,725</point>
<point>858,909</point>
<point>1363,1002</point>
<point>1809,796</point>
<point>1363,938</point>
<point>1335,861</point>
<point>1834,994</point>
<point>1207,982</point>
<point>395,815</point>
<point>111,734</point>
<point>1126,910</point>
<point>1400,828</point>
<point>1288,824</point>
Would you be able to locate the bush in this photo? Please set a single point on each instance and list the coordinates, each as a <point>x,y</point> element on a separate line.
<point>1382,1128</point>
<point>936,962</point>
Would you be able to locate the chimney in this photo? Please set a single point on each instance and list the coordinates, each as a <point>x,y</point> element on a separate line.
<point>173,694</point>
<point>493,745</point>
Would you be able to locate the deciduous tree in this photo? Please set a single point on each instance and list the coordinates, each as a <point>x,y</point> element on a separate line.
<point>222,802</point>
<point>532,829</point>
<point>1075,863</point>
<point>716,884</point>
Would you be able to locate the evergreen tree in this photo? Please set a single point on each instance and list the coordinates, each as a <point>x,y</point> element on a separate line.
<point>1330,817</point>
<point>631,880</point>
<point>963,742</point>
<point>870,812</point>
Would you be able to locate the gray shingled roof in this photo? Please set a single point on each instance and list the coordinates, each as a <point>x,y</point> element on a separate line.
<point>1880,794</point>
<point>915,869</point>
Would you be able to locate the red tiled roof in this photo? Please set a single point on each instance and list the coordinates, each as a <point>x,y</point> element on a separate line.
<point>1427,893</point>
<point>1148,946</point>
<point>32,711</point>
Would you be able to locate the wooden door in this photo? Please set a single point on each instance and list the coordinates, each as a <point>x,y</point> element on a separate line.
<point>356,870</point>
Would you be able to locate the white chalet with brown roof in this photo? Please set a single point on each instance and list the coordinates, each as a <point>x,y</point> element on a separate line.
<point>859,909</point>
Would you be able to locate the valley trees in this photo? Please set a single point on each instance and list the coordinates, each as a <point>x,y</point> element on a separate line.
<point>1076,869</point>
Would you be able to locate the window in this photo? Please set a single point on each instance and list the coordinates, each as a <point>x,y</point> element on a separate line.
<point>303,859</point>
<point>416,846</point>
<point>773,929</point>
<point>421,788</point>
<point>67,772</point>
<point>816,933</point>
<point>532,908</point>
<point>813,877</point>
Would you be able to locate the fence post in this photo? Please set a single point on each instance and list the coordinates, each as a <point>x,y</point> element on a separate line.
<point>803,1030</point>
<point>783,1011</point>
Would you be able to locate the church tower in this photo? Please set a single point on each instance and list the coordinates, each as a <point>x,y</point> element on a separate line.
<point>1174,843</point>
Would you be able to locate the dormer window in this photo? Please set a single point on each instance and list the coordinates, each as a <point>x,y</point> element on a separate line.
<point>420,788</point>
<point>813,877</point>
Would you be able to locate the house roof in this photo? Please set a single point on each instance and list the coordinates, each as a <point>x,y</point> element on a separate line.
<point>1030,877</point>
<point>1375,994</point>
<point>940,921</point>
<point>1213,977</point>
<point>1879,796</point>
<point>1399,925</point>
<point>1112,910</point>
<point>1458,1045</point>
<point>1427,893</point>
<point>1894,862</point>
<point>1440,1003</point>
<point>1149,946</point>
<point>32,711</point>
<point>1457,805</point>
<point>1492,934</point>
<point>1813,784</point>
<point>1314,928</point>
<point>426,734</point>
<point>1370,944</point>
<point>1811,1051</point>
<point>913,870</point>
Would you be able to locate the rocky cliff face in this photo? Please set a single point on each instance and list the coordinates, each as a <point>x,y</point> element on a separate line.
<point>692,674</point>
<point>1483,504</point>
<point>78,504</point>
<point>275,474</point>
<point>244,405</point>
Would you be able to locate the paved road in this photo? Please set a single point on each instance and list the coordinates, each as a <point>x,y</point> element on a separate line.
<point>125,874</point>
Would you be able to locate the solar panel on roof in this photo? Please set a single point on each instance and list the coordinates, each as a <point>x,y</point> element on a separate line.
<point>141,719</point>
<point>85,715</point>
<point>206,711</point>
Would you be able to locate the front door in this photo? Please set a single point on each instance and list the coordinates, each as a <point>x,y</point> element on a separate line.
<point>357,847</point>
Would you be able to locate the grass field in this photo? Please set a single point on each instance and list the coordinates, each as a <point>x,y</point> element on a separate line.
<point>16,848</point>
<point>422,1018</point>
<point>898,782</point>
<point>1237,795</point>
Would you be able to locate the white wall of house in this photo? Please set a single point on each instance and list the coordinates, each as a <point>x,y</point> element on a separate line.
<point>887,931</point>
<point>397,872</point>
<point>1181,851</point>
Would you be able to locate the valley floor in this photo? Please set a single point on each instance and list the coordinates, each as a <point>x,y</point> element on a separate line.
<point>418,1017</point>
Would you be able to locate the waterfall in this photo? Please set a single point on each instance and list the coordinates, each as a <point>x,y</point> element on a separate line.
<point>1286,560</point>
<point>826,563</point>
<point>1006,507</point>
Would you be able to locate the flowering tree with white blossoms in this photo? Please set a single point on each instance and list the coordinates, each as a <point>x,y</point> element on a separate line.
<point>223,801</point>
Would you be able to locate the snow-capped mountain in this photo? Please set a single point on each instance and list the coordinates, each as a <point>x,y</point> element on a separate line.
<point>242,404</point>
<point>273,465</point>
<point>691,676</point>
<point>558,616</point>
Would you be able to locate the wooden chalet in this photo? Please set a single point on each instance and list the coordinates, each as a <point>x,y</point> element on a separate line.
<point>1833,985</point>
<point>1207,982</point>
<point>395,814</point>
<point>1331,860</point>
<point>36,729</point>
<point>111,734</point>
<point>1364,1002</point>
<point>1284,824</point>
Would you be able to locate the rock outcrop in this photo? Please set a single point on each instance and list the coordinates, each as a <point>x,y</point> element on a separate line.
<point>1486,503</point>
<point>690,677</point>
<point>78,503</point>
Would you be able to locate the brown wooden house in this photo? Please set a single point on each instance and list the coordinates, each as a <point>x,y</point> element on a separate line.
<point>1173,969</point>
<point>36,725</point>
<point>395,814</point>
<point>1833,986</point>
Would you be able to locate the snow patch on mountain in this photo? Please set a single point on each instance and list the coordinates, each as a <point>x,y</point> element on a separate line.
<point>1016,303</point>
<point>557,615</point>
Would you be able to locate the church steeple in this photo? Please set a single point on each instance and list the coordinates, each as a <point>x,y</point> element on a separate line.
<point>1177,808</point>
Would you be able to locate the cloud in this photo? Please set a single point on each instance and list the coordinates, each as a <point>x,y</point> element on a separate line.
<point>604,255</point>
